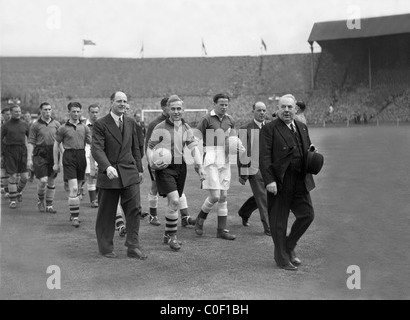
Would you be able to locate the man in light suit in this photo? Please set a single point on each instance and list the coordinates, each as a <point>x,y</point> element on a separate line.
<point>248,168</point>
<point>115,147</point>
<point>284,145</point>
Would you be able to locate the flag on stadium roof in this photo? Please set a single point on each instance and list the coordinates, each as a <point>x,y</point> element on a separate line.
<point>88,42</point>
<point>264,44</point>
<point>203,48</point>
<point>142,50</point>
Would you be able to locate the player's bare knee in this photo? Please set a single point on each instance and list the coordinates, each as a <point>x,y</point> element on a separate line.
<point>74,190</point>
<point>214,198</point>
<point>13,178</point>
<point>43,180</point>
<point>154,189</point>
<point>174,204</point>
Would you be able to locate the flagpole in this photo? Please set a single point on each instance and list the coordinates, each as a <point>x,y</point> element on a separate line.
<point>142,51</point>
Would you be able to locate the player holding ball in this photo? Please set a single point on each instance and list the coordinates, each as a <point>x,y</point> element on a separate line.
<point>165,155</point>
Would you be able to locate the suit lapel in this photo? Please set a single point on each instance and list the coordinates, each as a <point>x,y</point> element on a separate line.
<point>286,134</point>
<point>302,131</point>
<point>113,128</point>
<point>127,129</point>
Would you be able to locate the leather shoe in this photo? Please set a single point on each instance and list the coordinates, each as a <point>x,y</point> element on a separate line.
<point>294,259</point>
<point>136,254</point>
<point>245,221</point>
<point>111,255</point>
<point>224,234</point>
<point>199,226</point>
<point>289,266</point>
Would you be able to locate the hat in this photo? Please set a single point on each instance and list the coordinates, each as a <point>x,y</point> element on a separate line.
<point>314,162</point>
<point>301,105</point>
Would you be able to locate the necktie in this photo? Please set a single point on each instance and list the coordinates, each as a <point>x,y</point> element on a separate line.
<point>292,128</point>
<point>120,124</point>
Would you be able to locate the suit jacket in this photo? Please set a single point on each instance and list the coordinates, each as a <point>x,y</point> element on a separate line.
<point>110,148</point>
<point>276,146</point>
<point>248,163</point>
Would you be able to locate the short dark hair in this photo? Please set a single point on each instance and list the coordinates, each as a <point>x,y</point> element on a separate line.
<point>221,96</point>
<point>74,105</point>
<point>45,103</point>
<point>3,111</point>
<point>14,106</point>
<point>164,102</point>
<point>94,105</point>
<point>301,105</point>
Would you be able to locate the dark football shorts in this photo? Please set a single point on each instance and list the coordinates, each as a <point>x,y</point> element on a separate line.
<point>74,164</point>
<point>43,161</point>
<point>170,179</point>
<point>15,158</point>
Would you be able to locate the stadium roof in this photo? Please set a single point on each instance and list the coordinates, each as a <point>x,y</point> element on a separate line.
<point>370,27</point>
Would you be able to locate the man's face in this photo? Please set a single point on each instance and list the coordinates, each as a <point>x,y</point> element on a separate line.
<point>138,117</point>
<point>119,105</point>
<point>27,117</point>
<point>93,114</point>
<point>259,112</point>
<point>15,113</point>
<point>221,106</point>
<point>176,110</point>
<point>6,116</point>
<point>287,110</point>
<point>166,110</point>
<point>75,113</point>
<point>128,111</point>
<point>46,112</point>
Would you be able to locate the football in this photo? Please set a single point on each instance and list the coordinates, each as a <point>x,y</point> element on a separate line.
<point>162,155</point>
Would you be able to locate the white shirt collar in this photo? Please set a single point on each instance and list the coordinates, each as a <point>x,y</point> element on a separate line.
<point>213,113</point>
<point>115,117</point>
<point>293,122</point>
<point>259,124</point>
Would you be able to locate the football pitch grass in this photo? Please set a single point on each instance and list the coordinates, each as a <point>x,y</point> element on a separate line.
<point>362,213</point>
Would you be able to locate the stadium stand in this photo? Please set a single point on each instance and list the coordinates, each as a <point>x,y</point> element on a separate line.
<point>362,73</point>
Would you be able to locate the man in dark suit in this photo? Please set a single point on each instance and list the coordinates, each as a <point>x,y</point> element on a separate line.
<point>284,145</point>
<point>248,168</point>
<point>115,147</point>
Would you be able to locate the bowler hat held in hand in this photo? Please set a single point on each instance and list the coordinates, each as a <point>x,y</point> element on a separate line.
<point>314,162</point>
